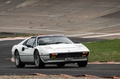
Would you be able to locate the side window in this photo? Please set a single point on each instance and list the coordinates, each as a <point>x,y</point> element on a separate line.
<point>30,42</point>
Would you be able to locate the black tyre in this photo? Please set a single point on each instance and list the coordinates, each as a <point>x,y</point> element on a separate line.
<point>60,64</point>
<point>37,60</point>
<point>18,62</point>
<point>82,63</point>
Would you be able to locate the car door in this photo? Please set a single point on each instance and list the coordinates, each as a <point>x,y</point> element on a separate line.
<point>28,49</point>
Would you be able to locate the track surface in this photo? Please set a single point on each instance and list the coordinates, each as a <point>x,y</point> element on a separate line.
<point>8,68</point>
<point>80,18</point>
<point>98,19</point>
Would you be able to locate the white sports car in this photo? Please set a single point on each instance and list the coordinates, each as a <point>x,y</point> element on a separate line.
<point>49,49</point>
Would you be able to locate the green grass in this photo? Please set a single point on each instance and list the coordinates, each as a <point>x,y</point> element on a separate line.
<point>103,51</point>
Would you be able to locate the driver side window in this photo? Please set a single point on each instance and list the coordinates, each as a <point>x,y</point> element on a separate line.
<point>30,42</point>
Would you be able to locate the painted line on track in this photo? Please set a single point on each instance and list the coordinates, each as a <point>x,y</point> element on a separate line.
<point>111,26</point>
<point>82,35</point>
<point>105,35</point>
<point>93,35</point>
<point>34,29</point>
<point>15,38</point>
<point>85,34</point>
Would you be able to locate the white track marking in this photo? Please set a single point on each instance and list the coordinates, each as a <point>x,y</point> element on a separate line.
<point>28,29</point>
<point>108,26</point>
<point>8,2</point>
<point>105,35</point>
<point>49,30</point>
<point>76,35</point>
<point>83,34</point>
<point>15,38</point>
<point>3,12</point>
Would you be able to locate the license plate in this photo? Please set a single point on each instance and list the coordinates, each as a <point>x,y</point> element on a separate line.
<point>68,59</point>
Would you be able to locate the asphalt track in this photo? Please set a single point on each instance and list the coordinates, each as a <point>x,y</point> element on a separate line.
<point>86,19</point>
<point>76,18</point>
<point>8,68</point>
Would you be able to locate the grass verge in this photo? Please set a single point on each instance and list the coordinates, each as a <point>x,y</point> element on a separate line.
<point>104,51</point>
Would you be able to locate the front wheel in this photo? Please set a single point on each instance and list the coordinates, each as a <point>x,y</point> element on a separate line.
<point>38,61</point>
<point>82,63</point>
<point>18,62</point>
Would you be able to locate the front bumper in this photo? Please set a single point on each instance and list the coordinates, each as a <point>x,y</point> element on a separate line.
<point>65,57</point>
<point>65,60</point>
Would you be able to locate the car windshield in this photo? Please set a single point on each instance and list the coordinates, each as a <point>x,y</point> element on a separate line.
<point>53,40</point>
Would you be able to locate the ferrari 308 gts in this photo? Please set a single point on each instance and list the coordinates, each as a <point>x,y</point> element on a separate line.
<point>49,49</point>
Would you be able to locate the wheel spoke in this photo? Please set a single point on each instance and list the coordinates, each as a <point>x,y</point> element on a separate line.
<point>17,59</point>
<point>18,62</point>
<point>37,60</point>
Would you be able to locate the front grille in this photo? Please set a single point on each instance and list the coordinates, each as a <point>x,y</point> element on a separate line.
<point>69,55</point>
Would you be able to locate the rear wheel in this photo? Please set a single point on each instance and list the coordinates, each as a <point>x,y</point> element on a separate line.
<point>82,63</point>
<point>37,60</point>
<point>18,62</point>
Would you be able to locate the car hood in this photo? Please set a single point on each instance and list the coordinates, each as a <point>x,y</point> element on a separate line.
<point>65,48</point>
